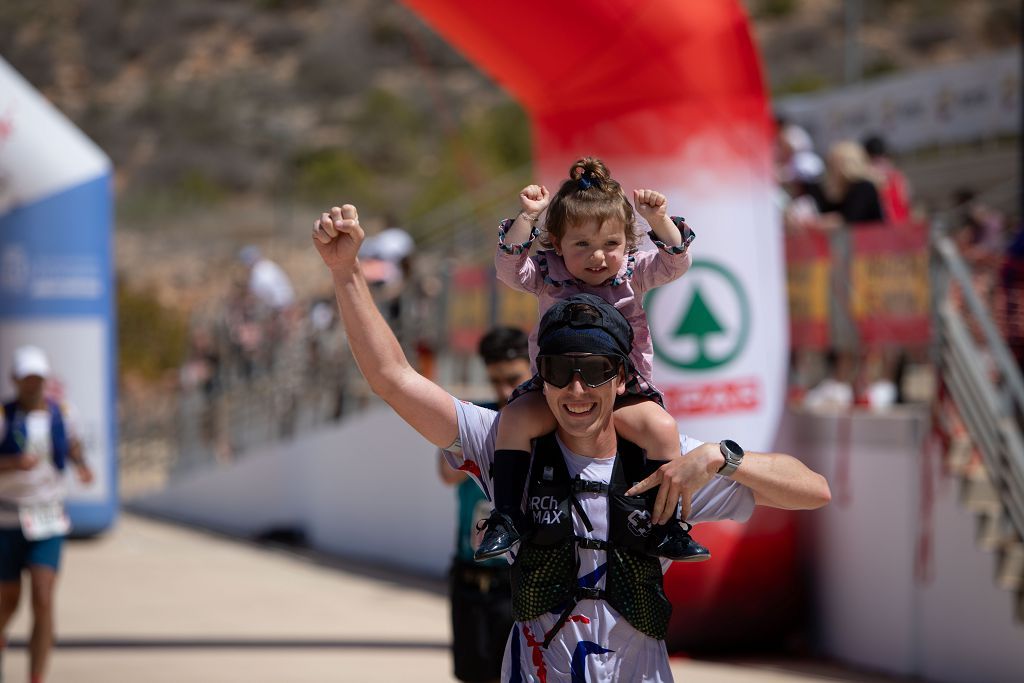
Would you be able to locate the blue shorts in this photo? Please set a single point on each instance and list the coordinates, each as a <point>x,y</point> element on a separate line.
<point>18,553</point>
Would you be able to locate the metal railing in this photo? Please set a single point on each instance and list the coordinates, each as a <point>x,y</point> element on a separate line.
<point>982,377</point>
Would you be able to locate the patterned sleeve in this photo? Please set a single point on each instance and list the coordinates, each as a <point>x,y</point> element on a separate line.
<point>473,451</point>
<point>513,264</point>
<point>666,263</point>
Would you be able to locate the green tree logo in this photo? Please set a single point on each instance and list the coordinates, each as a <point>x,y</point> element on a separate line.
<point>699,320</point>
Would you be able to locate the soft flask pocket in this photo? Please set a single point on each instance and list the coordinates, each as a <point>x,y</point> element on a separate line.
<point>631,523</point>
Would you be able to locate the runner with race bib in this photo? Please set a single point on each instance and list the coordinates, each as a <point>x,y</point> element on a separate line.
<point>37,441</point>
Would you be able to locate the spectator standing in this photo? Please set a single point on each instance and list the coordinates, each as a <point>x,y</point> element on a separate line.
<point>979,235</point>
<point>267,281</point>
<point>795,158</point>
<point>849,196</point>
<point>894,190</point>
<point>272,290</point>
<point>1012,296</point>
<point>388,259</point>
<point>798,171</point>
<point>850,189</point>
<point>981,232</point>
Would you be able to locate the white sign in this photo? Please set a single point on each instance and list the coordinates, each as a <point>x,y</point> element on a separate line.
<point>977,100</point>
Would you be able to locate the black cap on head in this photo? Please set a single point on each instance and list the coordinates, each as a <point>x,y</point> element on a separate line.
<point>585,323</point>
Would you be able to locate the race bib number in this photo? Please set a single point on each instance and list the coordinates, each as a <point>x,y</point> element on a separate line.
<point>44,520</point>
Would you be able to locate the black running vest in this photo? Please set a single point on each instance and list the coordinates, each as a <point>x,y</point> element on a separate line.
<point>544,575</point>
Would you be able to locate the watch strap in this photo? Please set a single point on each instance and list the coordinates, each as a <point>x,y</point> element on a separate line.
<point>733,455</point>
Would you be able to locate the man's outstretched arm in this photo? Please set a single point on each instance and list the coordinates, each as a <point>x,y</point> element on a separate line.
<point>776,479</point>
<point>427,407</point>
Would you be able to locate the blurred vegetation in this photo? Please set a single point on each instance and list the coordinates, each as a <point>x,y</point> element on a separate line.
<point>492,143</point>
<point>404,163</point>
<point>200,188</point>
<point>330,171</point>
<point>774,9</point>
<point>805,83</point>
<point>502,136</point>
<point>151,338</point>
<point>388,132</point>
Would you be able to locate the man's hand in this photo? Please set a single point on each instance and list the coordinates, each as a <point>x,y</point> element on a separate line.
<point>680,478</point>
<point>534,199</point>
<point>337,235</point>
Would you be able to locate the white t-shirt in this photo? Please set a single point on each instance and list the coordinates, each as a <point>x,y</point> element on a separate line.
<point>44,483</point>
<point>595,642</point>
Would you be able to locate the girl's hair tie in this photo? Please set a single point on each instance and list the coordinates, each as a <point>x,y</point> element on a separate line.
<point>585,182</point>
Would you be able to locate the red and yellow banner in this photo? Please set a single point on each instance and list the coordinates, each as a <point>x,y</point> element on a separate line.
<point>808,273</point>
<point>889,294</point>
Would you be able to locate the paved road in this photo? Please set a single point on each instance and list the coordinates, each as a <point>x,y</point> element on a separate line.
<point>153,602</point>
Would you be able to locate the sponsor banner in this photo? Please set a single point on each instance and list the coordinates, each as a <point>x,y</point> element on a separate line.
<point>889,294</point>
<point>945,105</point>
<point>40,275</point>
<point>808,277</point>
<point>720,332</point>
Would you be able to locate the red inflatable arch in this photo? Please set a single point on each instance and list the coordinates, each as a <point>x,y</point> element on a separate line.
<point>660,89</point>
<point>622,80</point>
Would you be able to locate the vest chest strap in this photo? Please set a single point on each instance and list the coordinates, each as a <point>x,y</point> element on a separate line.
<point>591,543</point>
<point>586,486</point>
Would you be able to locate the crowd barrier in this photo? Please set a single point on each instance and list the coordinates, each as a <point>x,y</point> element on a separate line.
<point>865,287</point>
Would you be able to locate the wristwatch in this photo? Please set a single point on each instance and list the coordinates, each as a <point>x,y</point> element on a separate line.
<point>733,457</point>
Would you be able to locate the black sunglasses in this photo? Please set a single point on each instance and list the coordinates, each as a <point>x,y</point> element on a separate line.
<point>594,370</point>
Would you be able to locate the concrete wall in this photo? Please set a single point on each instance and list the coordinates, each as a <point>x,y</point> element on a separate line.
<point>360,489</point>
<point>872,608</point>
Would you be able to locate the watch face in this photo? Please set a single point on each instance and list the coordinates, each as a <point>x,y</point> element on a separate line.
<point>732,447</point>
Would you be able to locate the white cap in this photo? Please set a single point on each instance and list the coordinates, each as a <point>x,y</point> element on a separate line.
<point>798,139</point>
<point>807,166</point>
<point>393,244</point>
<point>28,361</point>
